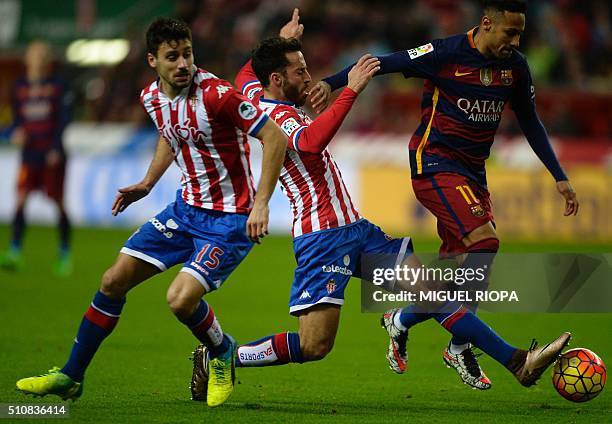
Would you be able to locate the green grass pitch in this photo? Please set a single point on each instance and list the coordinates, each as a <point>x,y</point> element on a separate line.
<point>142,371</point>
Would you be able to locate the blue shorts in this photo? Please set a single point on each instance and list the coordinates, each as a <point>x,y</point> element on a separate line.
<point>211,244</point>
<point>327,259</point>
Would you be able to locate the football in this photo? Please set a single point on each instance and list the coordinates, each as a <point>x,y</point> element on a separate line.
<point>579,375</point>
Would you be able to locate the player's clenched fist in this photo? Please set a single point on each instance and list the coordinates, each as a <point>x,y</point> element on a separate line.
<point>362,72</point>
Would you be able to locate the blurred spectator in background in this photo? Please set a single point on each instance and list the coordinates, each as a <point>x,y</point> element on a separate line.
<point>41,111</point>
<point>567,42</point>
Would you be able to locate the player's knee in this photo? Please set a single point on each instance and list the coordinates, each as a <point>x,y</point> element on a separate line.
<point>180,302</point>
<point>113,285</point>
<point>315,350</point>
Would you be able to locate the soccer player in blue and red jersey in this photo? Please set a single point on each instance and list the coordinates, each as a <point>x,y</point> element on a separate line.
<point>469,78</point>
<point>332,242</point>
<point>41,111</point>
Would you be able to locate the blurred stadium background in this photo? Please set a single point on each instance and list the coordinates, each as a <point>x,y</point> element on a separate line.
<point>99,50</point>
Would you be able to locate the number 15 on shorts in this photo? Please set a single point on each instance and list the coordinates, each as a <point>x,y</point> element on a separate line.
<point>209,256</point>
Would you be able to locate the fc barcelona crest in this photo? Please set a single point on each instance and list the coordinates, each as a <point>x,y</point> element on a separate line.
<point>477,210</point>
<point>506,76</point>
<point>486,76</point>
<point>331,286</point>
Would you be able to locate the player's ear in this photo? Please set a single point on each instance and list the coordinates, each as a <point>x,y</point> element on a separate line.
<point>275,79</point>
<point>151,60</point>
<point>486,22</point>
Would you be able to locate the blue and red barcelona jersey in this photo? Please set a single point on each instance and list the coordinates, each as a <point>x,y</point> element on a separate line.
<point>464,96</point>
<point>42,109</point>
<point>463,100</point>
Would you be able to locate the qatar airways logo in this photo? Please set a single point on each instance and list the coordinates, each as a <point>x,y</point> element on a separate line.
<point>481,110</point>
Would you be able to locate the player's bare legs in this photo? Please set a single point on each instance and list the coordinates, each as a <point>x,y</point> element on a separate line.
<point>318,328</point>
<point>125,274</point>
<point>184,297</point>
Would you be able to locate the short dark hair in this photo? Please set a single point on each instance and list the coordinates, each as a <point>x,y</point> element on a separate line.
<point>516,6</point>
<point>271,56</point>
<point>165,30</point>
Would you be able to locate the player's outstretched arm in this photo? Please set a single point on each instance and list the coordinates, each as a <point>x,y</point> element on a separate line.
<point>275,146</point>
<point>316,137</point>
<point>538,140</point>
<point>161,161</point>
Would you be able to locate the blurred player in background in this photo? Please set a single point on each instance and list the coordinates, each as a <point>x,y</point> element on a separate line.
<point>210,228</point>
<point>41,111</point>
<point>331,240</point>
<point>469,78</point>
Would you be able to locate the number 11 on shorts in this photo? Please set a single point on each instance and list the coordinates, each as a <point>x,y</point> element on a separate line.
<point>467,192</point>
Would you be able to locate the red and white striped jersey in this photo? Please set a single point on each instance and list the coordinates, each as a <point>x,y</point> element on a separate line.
<point>312,182</point>
<point>206,126</point>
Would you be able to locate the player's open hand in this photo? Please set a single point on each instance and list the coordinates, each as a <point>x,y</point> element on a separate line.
<point>293,28</point>
<point>257,224</point>
<point>363,71</point>
<point>571,202</point>
<point>129,195</point>
<point>320,95</point>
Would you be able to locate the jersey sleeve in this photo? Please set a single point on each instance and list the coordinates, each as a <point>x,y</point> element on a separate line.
<point>246,81</point>
<point>229,105</point>
<point>523,104</point>
<point>420,62</point>
<point>523,95</point>
<point>290,123</point>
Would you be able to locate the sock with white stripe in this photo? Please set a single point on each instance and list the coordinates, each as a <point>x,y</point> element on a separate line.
<point>204,325</point>
<point>278,349</point>
<point>99,321</point>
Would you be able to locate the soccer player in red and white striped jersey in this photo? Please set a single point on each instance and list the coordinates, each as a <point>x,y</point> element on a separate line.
<point>329,234</point>
<point>203,124</point>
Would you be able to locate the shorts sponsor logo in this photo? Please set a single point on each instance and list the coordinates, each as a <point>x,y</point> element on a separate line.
<point>171,224</point>
<point>161,228</point>
<point>331,286</point>
<point>420,51</point>
<point>247,111</point>
<point>289,126</point>
<point>199,267</point>
<point>477,210</point>
<point>337,269</point>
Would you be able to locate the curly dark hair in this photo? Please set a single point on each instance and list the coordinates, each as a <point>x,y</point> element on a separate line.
<point>270,56</point>
<point>164,30</point>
